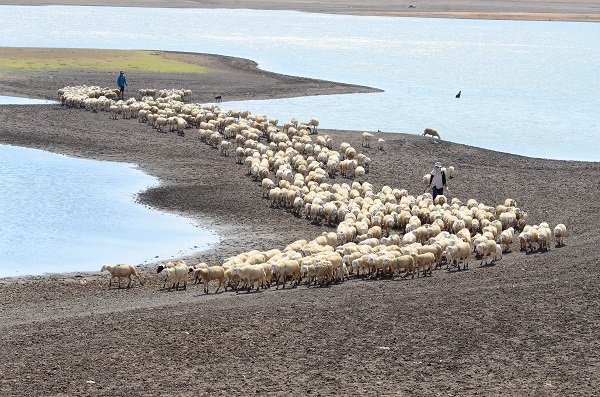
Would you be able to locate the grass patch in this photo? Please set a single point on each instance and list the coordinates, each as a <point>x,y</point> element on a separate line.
<point>48,59</point>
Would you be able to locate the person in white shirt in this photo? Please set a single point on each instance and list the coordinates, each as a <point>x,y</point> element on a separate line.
<point>437,181</point>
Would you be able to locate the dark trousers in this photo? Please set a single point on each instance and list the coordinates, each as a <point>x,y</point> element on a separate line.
<point>436,192</point>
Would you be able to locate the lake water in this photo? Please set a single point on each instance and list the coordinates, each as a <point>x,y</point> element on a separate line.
<point>528,88</point>
<point>63,214</point>
<point>11,100</point>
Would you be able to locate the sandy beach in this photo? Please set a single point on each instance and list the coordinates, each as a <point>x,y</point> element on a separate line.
<point>525,325</point>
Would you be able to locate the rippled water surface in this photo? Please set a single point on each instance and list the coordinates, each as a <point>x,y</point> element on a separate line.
<point>62,214</point>
<point>529,88</point>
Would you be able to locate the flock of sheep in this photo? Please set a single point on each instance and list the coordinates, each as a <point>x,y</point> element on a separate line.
<point>383,232</point>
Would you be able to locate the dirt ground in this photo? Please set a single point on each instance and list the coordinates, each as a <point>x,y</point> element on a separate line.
<point>526,325</point>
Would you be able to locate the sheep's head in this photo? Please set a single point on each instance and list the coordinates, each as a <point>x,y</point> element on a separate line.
<point>106,267</point>
<point>160,269</point>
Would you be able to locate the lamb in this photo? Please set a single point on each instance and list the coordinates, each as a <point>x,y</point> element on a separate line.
<point>560,232</point>
<point>381,144</point>
<point>121,271</point>
<point>432,132</point>
<point>177,274</point>
<point>207,274</point>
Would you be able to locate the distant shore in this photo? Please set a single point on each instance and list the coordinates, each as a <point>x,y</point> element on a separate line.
<point>534,10</point>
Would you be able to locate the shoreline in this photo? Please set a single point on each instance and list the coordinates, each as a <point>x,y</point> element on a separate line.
<point>536,10</point>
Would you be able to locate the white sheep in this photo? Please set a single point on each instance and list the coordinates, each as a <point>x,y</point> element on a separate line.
<point>176,275</point>
<point>366,139</point>
<point>225,145</point>
<point>456,253</point>
<point>121,271</point>
<point>560,231</point>
<point>506,237</point>
<point>486,249</point>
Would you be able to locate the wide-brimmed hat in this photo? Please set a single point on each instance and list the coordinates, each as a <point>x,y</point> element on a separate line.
<point>438,164</point>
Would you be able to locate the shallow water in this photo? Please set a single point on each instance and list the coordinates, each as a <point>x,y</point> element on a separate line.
<point>62,214</point>
<point>13,100</point>
<point>528,88</point>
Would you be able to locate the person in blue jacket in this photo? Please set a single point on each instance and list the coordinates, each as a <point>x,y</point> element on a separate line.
<point>437,181</point>
<point>121,82</point>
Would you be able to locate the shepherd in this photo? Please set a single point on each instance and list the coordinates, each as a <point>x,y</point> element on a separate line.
<point>121,82</point>
<point>437,181</point>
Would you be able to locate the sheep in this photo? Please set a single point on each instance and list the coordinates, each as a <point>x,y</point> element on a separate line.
<point>321,272</point>
<point>225,145</point>
<point>381,144</point>
<point>435,249</point>
<point>560,231</point>
<point>366,139</point>
<point>359,173</point>
<point>160,268</point>
<point>544,235</point>
<point>208,274</point>
<point>432,132</point>
<point>456,253</point>
<point>424,262</point>
<point>506,238</point>
<point>285,269</point>
<point>121,271</point>
<point>485,249</point>
<point>314,122</point>
<point>529,239</point>
<point>176,275</point>
<point>251,274</point>
<point>404,263</point>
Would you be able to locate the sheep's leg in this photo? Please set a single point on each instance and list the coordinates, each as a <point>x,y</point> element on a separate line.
<point>129,283</point>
